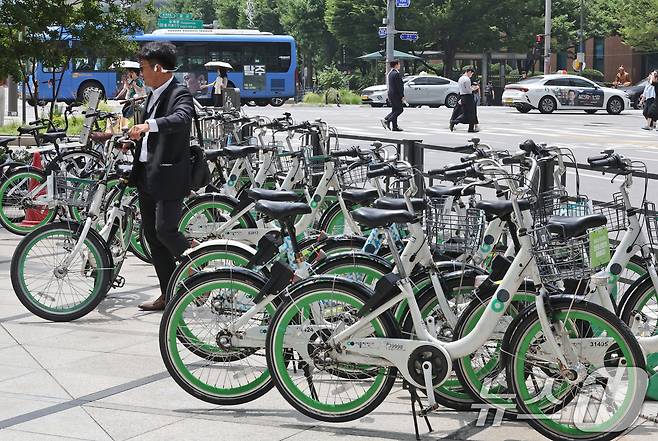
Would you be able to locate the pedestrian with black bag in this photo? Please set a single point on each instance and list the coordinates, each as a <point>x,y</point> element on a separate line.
<point>469,112</point>
<point>162,161</point>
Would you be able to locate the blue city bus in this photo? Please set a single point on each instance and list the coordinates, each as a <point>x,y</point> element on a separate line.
<point>264,66</point>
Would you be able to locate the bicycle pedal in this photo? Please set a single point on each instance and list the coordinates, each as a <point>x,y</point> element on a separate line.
<point>427,410</point>
<point>119,282</point>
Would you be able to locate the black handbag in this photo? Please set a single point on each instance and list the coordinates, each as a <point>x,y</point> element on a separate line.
<point>199,171</point>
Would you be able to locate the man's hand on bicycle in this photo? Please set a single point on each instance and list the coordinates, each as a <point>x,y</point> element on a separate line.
<point>138,131</point>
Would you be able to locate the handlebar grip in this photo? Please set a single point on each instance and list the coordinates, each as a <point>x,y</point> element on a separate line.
<point>517,158</point>
<point>379,170</point>
<point>613,161</point>
<point>462,166</point>
<point>460,174</point>
<point>591,159</point>
<point>349,153</point>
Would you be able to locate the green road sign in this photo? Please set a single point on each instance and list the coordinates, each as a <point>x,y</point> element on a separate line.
<point>175,23</point>
<point>173,15</point>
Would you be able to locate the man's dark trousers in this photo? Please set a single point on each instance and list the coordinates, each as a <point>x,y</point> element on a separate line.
<point>398,108</point>
<point>160,219</point>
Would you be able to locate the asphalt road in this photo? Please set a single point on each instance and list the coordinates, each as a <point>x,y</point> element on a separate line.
<point>502,127</point>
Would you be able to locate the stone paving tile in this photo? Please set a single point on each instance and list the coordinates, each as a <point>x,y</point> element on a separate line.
<point>74,422</point>
<point>19,435</point>
<point>36,384</point>
<point>122,425</point>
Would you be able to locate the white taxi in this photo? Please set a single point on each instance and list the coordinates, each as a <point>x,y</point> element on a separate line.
<point>549,93</point>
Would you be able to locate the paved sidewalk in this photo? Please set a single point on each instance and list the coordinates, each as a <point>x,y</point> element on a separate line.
<point>102,378</point>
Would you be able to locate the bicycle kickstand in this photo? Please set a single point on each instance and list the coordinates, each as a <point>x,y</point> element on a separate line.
<point>416,399</point>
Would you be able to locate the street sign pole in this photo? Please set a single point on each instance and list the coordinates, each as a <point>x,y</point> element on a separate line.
<point>390,34</point>
<point>547,38</point>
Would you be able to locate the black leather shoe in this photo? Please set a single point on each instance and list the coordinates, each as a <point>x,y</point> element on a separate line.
<point>452,127</point>
<point>385,124</point>
<point>397,129</point>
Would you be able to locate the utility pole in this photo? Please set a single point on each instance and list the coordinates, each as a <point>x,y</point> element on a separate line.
<point>547,38</point>
<point>390,34</point>
<point>249,12</point>
<point>581,52</point>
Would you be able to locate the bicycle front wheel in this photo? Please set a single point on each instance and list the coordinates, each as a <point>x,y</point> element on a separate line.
<point>302,364</point>
<point>48,286</point>
<point>605,373</point>
<point>19,213</point>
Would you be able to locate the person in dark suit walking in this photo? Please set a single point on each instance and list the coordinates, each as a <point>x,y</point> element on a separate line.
<point>469,112</point>
<point>395,97</point>
<point>161,167</point>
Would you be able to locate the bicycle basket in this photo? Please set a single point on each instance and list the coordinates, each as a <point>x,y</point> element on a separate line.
<point>615,212</point>
<point>559,203</point>
<point>455,232</point>
<point>352,174</point>
<point>69,190</point>
<point>560,258</point>
<point>314,165</point>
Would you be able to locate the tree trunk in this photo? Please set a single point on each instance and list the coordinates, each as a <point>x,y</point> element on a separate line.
<point>448,62</point>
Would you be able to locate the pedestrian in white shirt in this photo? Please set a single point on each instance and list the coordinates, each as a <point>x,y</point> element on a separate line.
<point>648,99</point>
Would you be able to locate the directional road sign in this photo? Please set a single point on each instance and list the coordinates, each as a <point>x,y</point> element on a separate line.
<point>402,3</point>
<point>382,32</point>
<point>409,36</point>
<point>184,16</point>
<point>175,23</point>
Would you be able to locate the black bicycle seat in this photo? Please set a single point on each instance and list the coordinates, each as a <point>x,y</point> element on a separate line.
<point>53,136</point>
<point>258,194</point>
<point>376,217</point>
<point>568,227</point>
<point>212,155</point>
<point>389,203</point>
<point>500,208</point>
<point>282,210</point>
<point>5,140</point>
<point>240,151</point>
<point>438,191</point>
<point>360,196</point>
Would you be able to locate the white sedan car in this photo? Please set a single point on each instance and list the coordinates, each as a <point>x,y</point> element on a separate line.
<point>549,93</point>
<point>419,90</point>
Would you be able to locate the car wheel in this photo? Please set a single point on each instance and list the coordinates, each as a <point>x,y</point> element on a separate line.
<point>590,111</point>
<point>277,101</point>
<point>547,104</point>
<point>524,109</point>
<point>451,100</point>
<point>376,105</point>
<point>87,88</point>
<point>615,105</point>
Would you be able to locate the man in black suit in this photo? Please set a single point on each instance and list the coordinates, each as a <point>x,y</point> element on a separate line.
<point>395,97</point>
<point>161,167</point>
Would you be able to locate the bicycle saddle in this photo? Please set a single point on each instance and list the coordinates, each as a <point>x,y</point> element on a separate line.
<point>438,191</point>
<point>100,136</point>
<point>376,217</point>
<point>501,209</point>
<point>389,203</point>
<point>5,140</point>
<point>239,151</point>
<point>258,194</point>
<point>568,227</point>
<point>282,210</point>
<point>212,155</point>
<point>360,196</point>
<point>53,136</point>
<point>29,129</point>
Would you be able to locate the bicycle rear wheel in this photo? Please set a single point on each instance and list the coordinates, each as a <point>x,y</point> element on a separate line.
<point>53,291</point>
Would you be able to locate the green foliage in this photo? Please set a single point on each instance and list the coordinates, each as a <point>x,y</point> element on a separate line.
<point>331,77</point>
<point>639,23</point>
<point>36,31</point>
<point>329,97</point>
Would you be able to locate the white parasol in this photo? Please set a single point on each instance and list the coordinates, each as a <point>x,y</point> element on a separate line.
<point>217,64</point>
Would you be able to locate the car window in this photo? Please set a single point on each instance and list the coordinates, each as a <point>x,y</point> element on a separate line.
<point>562,82</point>
<point>579,82</point>
<point>421,81</point>
<point>438,81</point>
<point>531,79</point>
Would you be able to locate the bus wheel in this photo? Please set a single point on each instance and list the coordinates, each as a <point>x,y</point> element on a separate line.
<point>277,101</point>
<point>86,88</point>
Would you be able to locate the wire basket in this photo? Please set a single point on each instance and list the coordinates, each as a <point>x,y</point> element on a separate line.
<point>454,232</point>
<point>353,174</point>
<point>69,190</point>
<point>559,203</point>
<point>559,259</point>
<point>615,212</point>
<point>651,220</point>
<point>314,164</point>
